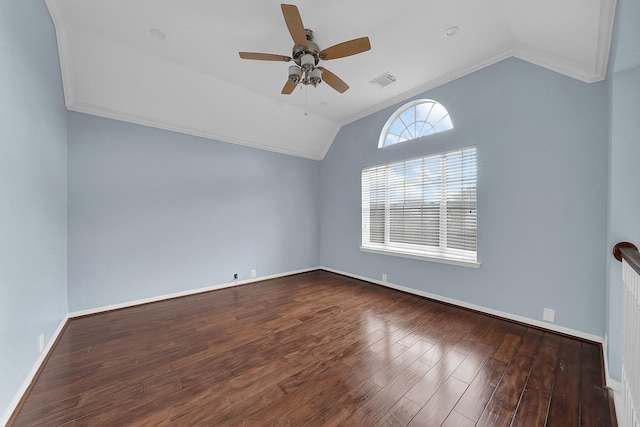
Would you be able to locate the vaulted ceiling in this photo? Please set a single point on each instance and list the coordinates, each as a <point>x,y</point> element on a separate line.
<point>174,64</point>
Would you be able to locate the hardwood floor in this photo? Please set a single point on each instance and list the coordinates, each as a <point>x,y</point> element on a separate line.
<point>313,349</point>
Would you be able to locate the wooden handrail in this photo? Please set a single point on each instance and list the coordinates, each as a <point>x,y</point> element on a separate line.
<point>628,252</point>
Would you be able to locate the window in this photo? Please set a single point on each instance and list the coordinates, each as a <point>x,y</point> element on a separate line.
<point>424,207</point>
<point>414,120</point>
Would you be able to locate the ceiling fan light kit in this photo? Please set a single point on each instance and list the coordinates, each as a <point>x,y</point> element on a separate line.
<point>307,55</point>
<point>295,73</point>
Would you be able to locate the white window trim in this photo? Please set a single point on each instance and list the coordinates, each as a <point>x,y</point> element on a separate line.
<point>405,107</point>
<point>383,251</point>
<point>440,254</point>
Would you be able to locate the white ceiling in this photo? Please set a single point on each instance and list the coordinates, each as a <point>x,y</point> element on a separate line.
<point>193,80</point>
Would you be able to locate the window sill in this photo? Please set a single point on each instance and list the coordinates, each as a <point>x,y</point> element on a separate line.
<point>401,254</point>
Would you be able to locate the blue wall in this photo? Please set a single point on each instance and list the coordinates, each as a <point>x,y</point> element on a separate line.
<point>624,181</point>
<point>153,212</point>
<point>624,224</point>
<point>33,201</point>
<point>542,191</point>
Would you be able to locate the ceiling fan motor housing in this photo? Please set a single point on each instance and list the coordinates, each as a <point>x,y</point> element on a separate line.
<point>306,59</point>
<point>311,49</point>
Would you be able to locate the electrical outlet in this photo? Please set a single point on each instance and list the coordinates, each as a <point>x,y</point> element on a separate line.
<point>41,342</point>
<point>235,276</point>
<point>384,277</point>
<point>253,272</point>
<point>548,314</point>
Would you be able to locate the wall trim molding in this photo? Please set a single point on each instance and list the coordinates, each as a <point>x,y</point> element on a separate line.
<point>618,401</point>
<point>509,316</point>
<point>32,375</point>
<point>97,310</point>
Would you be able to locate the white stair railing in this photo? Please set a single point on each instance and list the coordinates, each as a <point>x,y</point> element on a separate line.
<point>631,333</point>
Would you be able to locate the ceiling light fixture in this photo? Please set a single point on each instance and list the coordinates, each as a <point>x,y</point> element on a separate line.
<point>305,70</point>
<point>295,73</point>
<point>451,31</point>
<point>306,55</point>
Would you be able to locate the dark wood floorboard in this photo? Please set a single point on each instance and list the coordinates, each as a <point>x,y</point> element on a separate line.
<point>313,349</point>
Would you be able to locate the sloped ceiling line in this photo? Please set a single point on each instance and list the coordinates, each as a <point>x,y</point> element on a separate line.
<point>192,81</point>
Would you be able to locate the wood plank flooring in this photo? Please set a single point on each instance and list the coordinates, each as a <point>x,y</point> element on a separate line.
<point>313,349</point>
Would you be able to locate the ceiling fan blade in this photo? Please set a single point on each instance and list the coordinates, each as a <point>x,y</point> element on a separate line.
<point>289,86</point>
<point>333,80</point>
<point>294,24</point>
<point>264,56</point>
<point>348,48</point>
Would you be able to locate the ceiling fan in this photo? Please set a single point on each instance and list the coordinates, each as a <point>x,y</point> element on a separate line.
<point>306,55</point>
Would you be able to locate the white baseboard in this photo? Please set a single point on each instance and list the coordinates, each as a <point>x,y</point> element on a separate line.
<point>605,355</point>
<point>31,375</point>
<point>618,400</point>
<point>615,386</point>
<point>503,314</point>
<point>127,304</point>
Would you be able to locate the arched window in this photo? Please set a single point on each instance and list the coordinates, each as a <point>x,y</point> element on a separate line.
<point>413,120</point>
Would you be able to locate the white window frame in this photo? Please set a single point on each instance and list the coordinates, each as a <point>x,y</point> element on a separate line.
<point>440,253</point>
<point>429,124</point>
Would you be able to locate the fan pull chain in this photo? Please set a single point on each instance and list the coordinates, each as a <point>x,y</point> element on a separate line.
<point>306,103</point>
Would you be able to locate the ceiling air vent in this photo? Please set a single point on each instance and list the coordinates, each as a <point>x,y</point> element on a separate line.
<point>384,80</point>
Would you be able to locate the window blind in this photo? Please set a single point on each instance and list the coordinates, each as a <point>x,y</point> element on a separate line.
<point>424,206</point>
